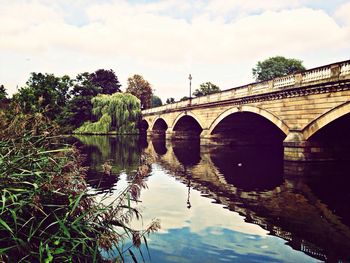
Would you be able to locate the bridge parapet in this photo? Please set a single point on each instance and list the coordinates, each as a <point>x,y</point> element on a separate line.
<point>316,76</point>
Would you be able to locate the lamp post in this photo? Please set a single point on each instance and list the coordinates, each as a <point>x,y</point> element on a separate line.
<point>190,78</point>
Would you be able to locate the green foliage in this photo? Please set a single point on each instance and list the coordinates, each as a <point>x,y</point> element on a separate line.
<point>64,100</point>
<point>117,113</point>
<point>86,86</point>
<point>140,88</point>
<point>156,101</point>
<point>46,211</point>
<point>3,93</point>
<point>102,126</point>
<point>169,100</point>
<point>276,67</point>
<point>206,89</point>
<point>106,80</point>
<point>184,98</point>
<point>79,108</point>
<point>123,153</point>
<point>44,93</point>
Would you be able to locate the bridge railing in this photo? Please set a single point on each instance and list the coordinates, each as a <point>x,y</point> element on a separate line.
<point>332,72</point>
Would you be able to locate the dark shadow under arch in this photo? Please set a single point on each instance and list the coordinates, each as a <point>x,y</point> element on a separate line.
<point>143,126</point>
<point>159,128</point>
<point>332,140</point>
<point>247,128</point>
<point>187,127</point>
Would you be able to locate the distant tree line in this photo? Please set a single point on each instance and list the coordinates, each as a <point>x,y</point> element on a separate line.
<point>68,101</point>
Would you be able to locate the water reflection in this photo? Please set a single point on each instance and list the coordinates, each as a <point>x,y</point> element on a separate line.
<point>307,207</point>
<point>122,153</point>
<point>187,152</point>
<point>159,146</point>
<point>224,204</point>
<point>250,168</point>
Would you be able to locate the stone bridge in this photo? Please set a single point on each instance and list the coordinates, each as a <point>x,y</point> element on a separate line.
<point>307,112</point>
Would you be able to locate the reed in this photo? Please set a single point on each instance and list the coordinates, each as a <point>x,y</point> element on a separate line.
<point>46,211</point>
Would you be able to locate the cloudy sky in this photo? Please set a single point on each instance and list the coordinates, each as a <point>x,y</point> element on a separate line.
<point>214,40</point>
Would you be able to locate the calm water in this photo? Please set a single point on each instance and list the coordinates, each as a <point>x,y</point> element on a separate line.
<point>230,204</point>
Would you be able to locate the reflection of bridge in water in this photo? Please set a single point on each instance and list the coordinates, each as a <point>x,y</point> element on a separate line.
<point>289,208</point>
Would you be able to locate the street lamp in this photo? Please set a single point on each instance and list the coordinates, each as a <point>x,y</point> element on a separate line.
<point>190,78</point>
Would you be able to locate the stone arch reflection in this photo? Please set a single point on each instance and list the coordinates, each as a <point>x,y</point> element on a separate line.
<point>260,192</point>
<point>187,152</point>
<point>159,146</point>
<point>327,182</point>
<point>250,167</point>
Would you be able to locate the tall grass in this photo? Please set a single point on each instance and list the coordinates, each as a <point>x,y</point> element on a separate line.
<point>46,212</point>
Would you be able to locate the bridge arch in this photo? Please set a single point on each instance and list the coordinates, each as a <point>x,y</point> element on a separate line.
<point>159,121</point>
<point>267,115</point>
<point>186,126</point>
<point>325,119</point>
<point>159,127</point>
<point>188,113</point>
<point>144,126</point>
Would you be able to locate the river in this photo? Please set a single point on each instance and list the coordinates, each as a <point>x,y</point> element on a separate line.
<point>228,204</point>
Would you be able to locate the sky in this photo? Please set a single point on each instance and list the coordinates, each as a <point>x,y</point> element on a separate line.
<point>164,41</point>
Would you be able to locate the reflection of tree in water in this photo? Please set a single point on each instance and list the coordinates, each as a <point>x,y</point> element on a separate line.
<point>143,141</point>
<point>122,152</point>
<point>250,168</point>
<point>187,152</point>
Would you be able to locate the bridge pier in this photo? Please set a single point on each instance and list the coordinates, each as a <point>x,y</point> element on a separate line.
<point>296,148</point>
<point>205,137</point>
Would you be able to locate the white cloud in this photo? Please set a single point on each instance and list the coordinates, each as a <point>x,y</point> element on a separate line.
<point>343,13</point>
<point>145,39</point>
<point>224,7</point>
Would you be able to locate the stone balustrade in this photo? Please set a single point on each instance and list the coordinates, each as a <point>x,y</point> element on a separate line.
<point>345,68</point>
<point>336,71</point>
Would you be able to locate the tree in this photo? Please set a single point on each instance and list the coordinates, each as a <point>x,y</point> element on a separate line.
<point>169,100</point>
<point>156,101</point>
<point>140,88</point>
<point>276,67</point>
<point>206,89</point>
<point>184,98</point>
<point>106,80</point>
<point>3,93</point>
<point>79,108</point>
<point>117,113</point>
<point>44,93</point>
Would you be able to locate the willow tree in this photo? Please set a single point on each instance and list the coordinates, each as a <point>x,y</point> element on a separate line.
<point>118,113</point>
